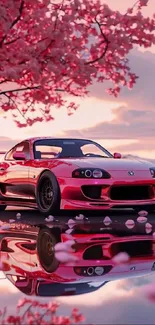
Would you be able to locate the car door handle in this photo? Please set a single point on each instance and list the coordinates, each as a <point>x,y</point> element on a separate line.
<point>2,169</point>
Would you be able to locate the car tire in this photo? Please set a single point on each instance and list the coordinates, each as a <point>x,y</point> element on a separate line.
<point>46,242</point>
<point>48,194</point>
<point>3,207</point>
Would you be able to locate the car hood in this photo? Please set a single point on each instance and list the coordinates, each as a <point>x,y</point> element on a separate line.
<point>110,163</point>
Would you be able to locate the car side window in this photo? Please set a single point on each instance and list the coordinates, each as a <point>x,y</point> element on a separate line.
<point>24,147</point>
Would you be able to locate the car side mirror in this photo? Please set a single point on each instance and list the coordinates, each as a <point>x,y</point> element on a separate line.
<point>19,155</point>
<point>117,155</point>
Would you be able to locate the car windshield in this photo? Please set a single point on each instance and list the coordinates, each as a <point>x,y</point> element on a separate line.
<point>68,148</point>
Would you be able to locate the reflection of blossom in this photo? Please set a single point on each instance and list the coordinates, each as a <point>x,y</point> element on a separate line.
<point>64,252</point>
<point>36,312</point>
<point>121,258</point>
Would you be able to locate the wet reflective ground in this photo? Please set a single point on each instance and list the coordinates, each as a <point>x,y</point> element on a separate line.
<point>103,265</point>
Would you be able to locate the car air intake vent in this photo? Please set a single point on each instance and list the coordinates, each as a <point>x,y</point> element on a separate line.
<point>92,192</point>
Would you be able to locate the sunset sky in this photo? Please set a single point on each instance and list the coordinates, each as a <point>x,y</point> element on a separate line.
<point>125,124</point>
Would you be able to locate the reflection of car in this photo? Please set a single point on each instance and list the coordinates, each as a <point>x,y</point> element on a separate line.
<point>73,174</point>
<point>31,265</point>
<point>47,288</point>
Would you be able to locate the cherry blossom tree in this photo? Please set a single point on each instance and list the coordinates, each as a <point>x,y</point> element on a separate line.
<point>53,50</point>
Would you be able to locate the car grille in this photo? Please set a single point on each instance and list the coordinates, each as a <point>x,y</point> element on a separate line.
<point>131,193</point>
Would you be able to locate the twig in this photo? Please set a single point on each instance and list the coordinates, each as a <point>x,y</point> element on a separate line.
<point>105,40</point>
<point>14,22</point>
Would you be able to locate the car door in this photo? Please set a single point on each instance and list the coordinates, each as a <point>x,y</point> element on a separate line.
<point>17,173</point>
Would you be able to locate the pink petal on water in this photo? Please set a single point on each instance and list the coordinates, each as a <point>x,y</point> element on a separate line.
<point>142,219</point>
<point>107,221</point>
<point>143,213</point>
<point>65,257</point>
<point>69,231</point>
<point>148,227</point>
<point>12,221</point>
<point>130,224</point>
<point>121,258</point>
<point>18,215</point>
<point>49,219</point>
<point>79,217</point>
<point>71,223</point>
<point>5,227</point>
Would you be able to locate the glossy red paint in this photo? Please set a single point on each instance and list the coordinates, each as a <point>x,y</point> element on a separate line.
<point>19,181</point>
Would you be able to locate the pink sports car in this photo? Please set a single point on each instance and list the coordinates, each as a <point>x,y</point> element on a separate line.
<point>73,174</point>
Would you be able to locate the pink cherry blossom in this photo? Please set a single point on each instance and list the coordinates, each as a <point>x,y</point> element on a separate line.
<point>121,258</point>
<point>51,48</point>
<point>130,224</point>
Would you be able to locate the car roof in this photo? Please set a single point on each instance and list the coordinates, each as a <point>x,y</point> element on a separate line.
<point>53,138</point>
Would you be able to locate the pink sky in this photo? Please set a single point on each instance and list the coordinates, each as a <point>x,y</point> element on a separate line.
<point>125,124</point>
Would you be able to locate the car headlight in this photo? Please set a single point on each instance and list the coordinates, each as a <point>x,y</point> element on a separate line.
<point>90,173</point>
<point>152,171</point>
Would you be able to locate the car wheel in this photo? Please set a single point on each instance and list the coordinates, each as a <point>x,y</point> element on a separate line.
<point>3,207</point>
<point>46,242</point>
<point>48,194</point>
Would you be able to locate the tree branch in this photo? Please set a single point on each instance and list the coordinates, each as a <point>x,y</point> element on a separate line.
<point>12,41</point>
<point>18,89</point>
<point>14,22</point>
<point>11,100</point>
<point>105,40</point>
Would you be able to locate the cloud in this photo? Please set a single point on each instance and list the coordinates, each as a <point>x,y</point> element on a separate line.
<point>134,119</point>
<point>7,143</point>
